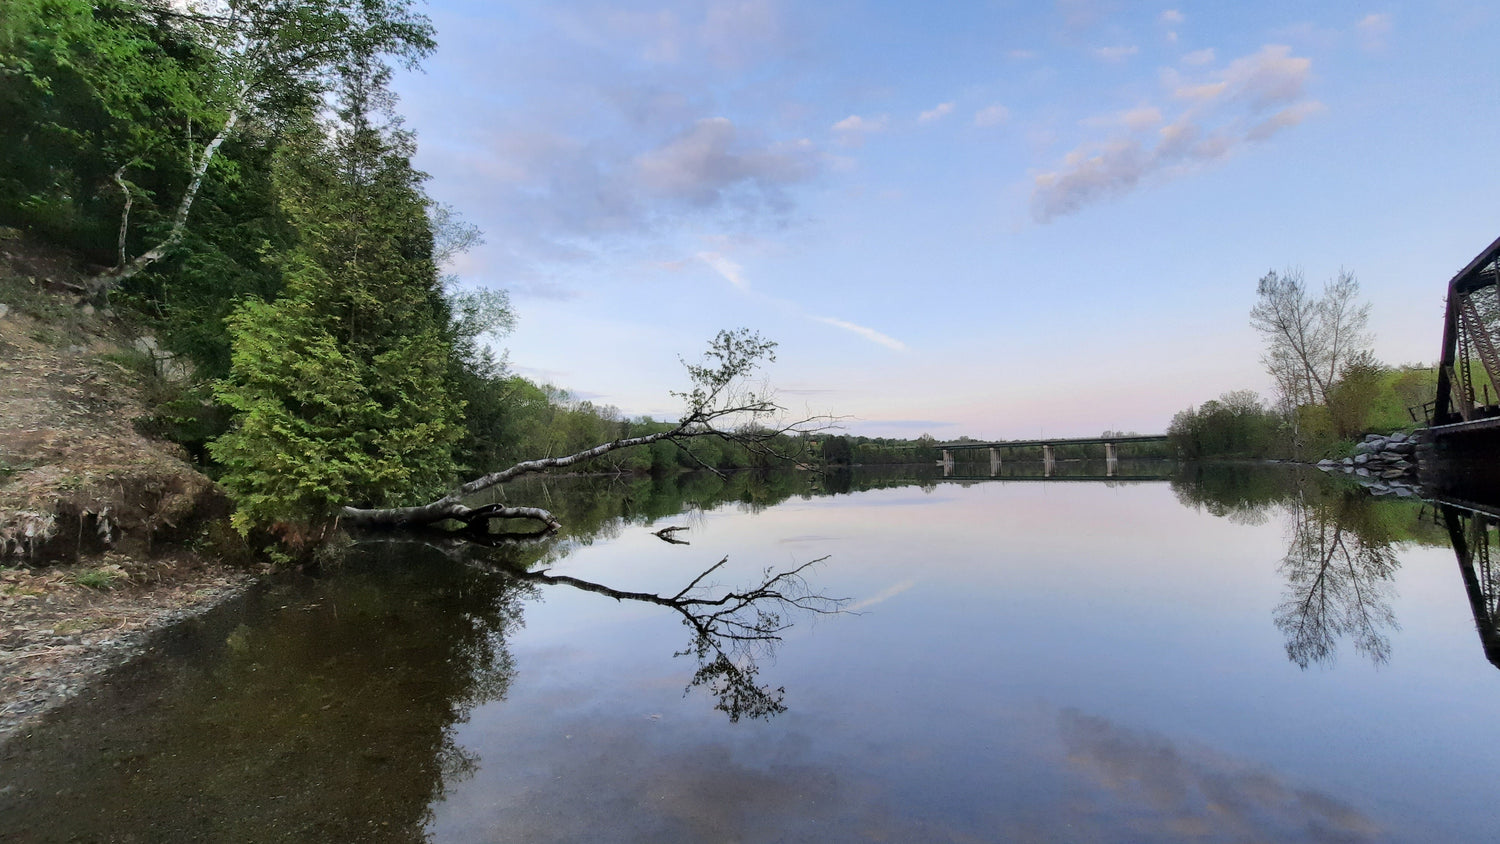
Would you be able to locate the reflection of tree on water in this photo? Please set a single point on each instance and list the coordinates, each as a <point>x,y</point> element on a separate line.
<point>732,630</point>
<point>325,708</point>
<point>1243,493</point>
<point>1341,558</point>
<point>1471,533</point>
<point>1339,569</point>
<point>315,709</point>
<point>1340,561</point>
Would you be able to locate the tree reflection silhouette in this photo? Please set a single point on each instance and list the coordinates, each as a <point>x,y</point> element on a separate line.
<point>1340,561</point>
<point>1242,493</point>
<point>325,708</point>
<point>732,630</point>
<point>1339,570</point>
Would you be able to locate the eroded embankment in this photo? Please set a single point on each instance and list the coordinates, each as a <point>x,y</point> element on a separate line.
<point>103,532</point>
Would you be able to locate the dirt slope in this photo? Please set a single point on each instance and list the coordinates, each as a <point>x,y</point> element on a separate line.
<point>99,525</point>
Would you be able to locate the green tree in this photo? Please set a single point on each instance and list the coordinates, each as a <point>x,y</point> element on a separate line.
<point>94,100</point>
<point>836,451</point>
<point>1236,424</point>
<point>270,59</point>
<point>340,386</point>
<point>1353,396</point>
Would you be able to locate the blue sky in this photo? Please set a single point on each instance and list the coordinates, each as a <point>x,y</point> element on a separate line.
<point>1000,219</point>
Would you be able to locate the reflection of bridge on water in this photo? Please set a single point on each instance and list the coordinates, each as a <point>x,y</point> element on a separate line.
<point>952,474</point>
<point>1471,529</point>
<point>1049,452</point>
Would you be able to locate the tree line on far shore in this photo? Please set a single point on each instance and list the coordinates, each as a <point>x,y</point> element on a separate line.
<point>1330,389</point>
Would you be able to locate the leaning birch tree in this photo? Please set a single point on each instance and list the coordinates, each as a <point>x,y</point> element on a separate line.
<point>722,400</point>
<point>269,54</point>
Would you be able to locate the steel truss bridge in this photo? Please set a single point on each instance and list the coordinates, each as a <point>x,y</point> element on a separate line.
<point>1463,455</point>
<point>1469,369</point>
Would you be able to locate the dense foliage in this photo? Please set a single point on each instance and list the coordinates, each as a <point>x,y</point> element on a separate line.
<point>1367,398</point>
<point>1236,424</point>
<point>339,386</point>
<point>238,178</point>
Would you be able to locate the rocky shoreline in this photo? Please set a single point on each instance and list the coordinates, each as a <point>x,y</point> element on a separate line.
<point>60,634</point>
<point>1386,463</point>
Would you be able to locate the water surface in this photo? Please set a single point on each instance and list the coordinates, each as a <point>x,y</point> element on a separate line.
<point>1241,654</point>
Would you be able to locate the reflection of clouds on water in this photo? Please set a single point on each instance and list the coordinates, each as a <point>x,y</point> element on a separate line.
<point>641,785</point>
<point>1045,776</point>
<point>880,597</point>
<point>808,537</point>
<point>1195,793</point>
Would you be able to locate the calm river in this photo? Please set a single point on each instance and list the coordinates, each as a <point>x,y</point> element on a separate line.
<point>1243,654</point>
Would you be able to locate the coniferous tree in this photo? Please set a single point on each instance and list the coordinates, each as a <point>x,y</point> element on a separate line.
<point>340,386</point>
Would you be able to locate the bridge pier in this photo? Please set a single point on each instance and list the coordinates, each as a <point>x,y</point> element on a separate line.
<point>1049,453</point>
<point>1111,460</point>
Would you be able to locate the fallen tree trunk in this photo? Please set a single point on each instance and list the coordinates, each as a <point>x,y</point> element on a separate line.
<point>717,396</point>
<point>451,506</point>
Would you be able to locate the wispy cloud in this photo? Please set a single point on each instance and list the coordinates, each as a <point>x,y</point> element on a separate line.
<point>735,275</point>
<point>1135,119</point>
<point>1117,53</point>
<point>852,130</point>
<point>1267,78</point>
<point>1373,30</point>
<point>1199,58</point>
<point>711,157</point>
<point>1284,119</point>
<point>991,115</point>
<point>587,125</point>
<point>868,333</point>
<point>1172,19</point>
<point>732,272</point>
<point>1250,100</point>
<point>937,112</point>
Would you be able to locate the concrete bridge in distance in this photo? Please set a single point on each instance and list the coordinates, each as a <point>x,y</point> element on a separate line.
<point>1049,460</point>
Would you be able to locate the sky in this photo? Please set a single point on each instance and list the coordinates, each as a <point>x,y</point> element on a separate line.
<point>997,219</point>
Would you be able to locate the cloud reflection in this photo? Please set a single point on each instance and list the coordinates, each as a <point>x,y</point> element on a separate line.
<point>1198,794</point>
